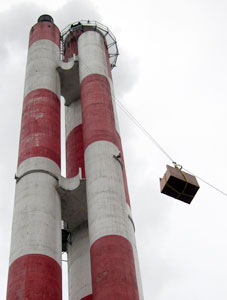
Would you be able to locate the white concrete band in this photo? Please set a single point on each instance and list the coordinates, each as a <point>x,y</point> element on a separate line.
<point>79,267</point>
<point>107,213</point>
<point>91,53</point>
<point>36,225</point>
<point>41,73</point>
<point>38,162</point>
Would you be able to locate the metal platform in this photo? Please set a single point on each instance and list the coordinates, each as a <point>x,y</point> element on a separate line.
<point>94,26</point>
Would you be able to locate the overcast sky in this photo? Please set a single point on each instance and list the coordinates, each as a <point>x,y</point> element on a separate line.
<point>172,76</point>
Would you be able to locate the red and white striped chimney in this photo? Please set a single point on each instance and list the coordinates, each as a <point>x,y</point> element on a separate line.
<point>35,256</point>
<point>114,264</point>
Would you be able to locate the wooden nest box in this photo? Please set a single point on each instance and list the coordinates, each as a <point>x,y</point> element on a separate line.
<point>178,184</point>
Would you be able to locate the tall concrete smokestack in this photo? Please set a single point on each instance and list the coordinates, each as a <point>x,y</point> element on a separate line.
<point>93,199</point>
<point>35,256</point>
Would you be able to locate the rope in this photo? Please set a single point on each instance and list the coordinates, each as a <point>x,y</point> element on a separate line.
<point>134,120</point>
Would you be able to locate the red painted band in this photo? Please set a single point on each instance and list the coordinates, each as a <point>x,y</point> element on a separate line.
<point>44,31</point>
<point>34,277</point>
<point>75,152</point>
<point>113,269</point>
<point>97,110</point>
<point>40,126</point>
<point>89,297</point>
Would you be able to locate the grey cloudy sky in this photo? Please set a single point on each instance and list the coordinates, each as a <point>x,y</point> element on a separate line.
<point>172,76</point>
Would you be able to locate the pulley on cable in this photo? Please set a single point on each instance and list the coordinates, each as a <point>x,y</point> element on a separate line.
<point>178,184</point>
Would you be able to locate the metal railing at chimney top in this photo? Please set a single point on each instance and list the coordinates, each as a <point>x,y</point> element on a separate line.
<point>95,26</point>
